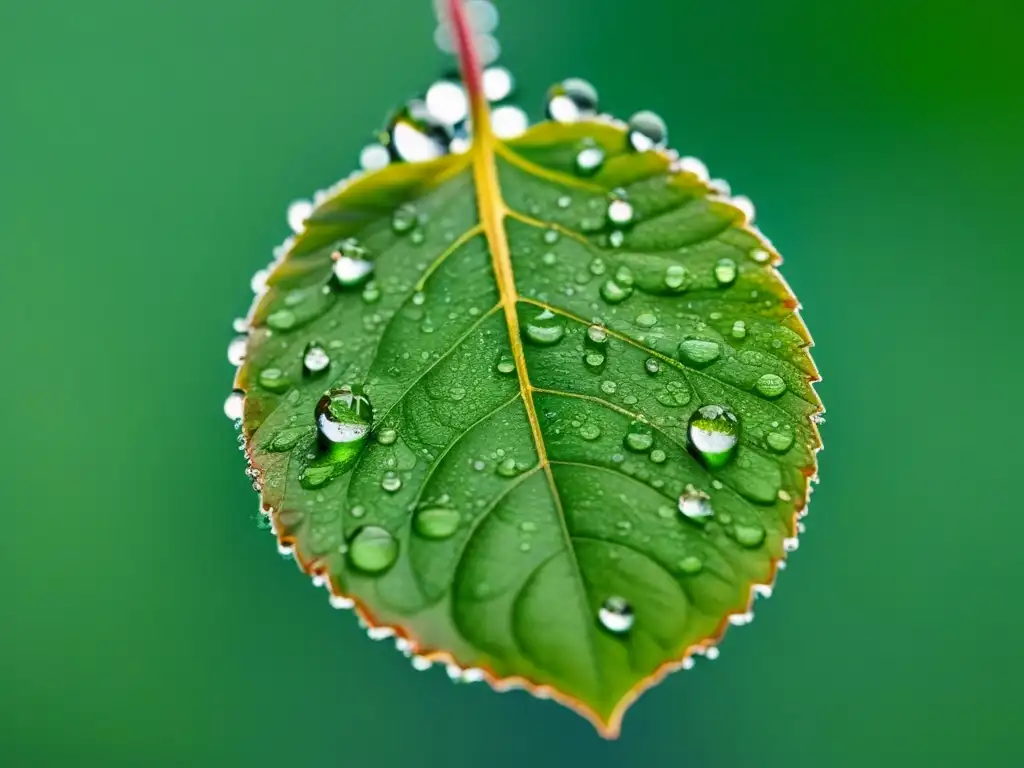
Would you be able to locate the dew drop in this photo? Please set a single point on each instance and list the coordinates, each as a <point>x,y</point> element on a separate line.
<point>282,320</point>
<point>690,565</point>
<point>699,352</point>
<point>414,135</point>
<point>646,320</point>
<point>273,379</point>
<point>545,329</point>
<point>620,212</point>
<point>237,349</point>
<point>509,122</point>
<point>387,436</point>
<point>590,431</point>
<point>589,159</point>
<point>551,236</point>
<point>506,365</point>
<point>372,549</point>
<point>760,255</point>
<point>739,329</point>
<point>750,536</point>
<point>695,505</point>
<point>780,442</point>
<point>613,293</point>
<point>404,219</point>
<point>436,522</point>
<point>639,438</point>
<point>714,432</point>
<point>343,419</point>
<point>351,268</point>
<point>658,456</point>
<point>770,385</point>
<point>616,615</point>
<point>498,83</point>
<point>315,359</point>
<point>298,212</point>
<point>597,336</point>
<point>652,366</point>
<point>594,360</point>
<point>391,482</point>
<point>677,278</point>
<point>647,131</point>
<point>725,272</point>
<point>234,405</point>
<point>447,102</point>
<point>374,157</point>
<point>564,201</point>
<point>571,101</point>
<point>507,468</point>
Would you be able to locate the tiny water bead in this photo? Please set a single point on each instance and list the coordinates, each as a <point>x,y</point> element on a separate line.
<point>690,565</point>
<point>749,535</point>
<point>725,272</point>
<point>760,255</point>
<point>447,101</point>
<point>281,320</point>
<point>594,360</point>
<point>779,442</point>
<point>387,436</point>
<point>614,293</point>
<point>770,385</point>
<point>589,159</point>
<point>620,212</point>
<point>677,278</point>
<point>646,320</point>
<point>436,522</point>
<point>274,380</point>
<point>597,336</point>
<point>343,418</point>
<point>298,212</point>
<point>714,431</point>
<point>652,366</point>
<point>545,329</point>
<point>404,219</point>
<point>616,615</point>
<point>415,135</point>
<point>571,101</point>
<point>391,482</point>
<point>699,352</point>
<point>639,438</point>
<point>647,131</point>
<point>590,431</point>
<point>234,405</point>
<point>739,330</point>
<point>506,365</point>
<point>695,505</point>
<point>374,157</point>
<point>498,83</point>
<point>658,456</point>
<point>509,122</point>
<point>237,348</point>
<point>315,359</point>
<point>372,549</point>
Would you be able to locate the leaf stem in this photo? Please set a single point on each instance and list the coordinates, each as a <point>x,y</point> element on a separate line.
<point>469,64</point>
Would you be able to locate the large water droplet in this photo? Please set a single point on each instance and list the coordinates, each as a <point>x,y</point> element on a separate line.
<point>616,615</point>
<point>572,100</point>
<point>498,83</point>
<point>639,437</point>
<point>391,482</point>
<point>414,135</point>
<point>372,549</point>
<point>699,352</point>
<point>725,272</point>
<point>749,535</point>
<point>714,431</point>
<point>647,131</point>
<point>436,522</point>
<point>695,505</point>
<point>315,359</point>
<point>234,405</point>
<point>770,385</point>
<point>298,212</point>
<point>387,436</point>
<point>237,349</point>
<point>545,329</point>
<point>620,212</point>
<point>351,267</point>
<point>509,122</point>
<point>343,418</point>
<point>447,101</point>
<point>677,278</point>
<point>597,336</point>
<point>589,159</point>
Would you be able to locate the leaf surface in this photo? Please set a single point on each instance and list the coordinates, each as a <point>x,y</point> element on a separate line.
<point>533,368</point>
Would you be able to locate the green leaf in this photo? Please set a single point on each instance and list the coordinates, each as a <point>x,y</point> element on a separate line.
<point>551,427</point>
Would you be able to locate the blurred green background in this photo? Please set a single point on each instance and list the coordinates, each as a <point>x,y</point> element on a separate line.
<point>147,153</point>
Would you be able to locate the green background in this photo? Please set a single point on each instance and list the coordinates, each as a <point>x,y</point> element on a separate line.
<point>147,153</point>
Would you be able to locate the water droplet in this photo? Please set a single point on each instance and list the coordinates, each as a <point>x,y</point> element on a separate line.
<point>350,271</point>
<point>620,212</point>
<point>234,405</point>
<point>739,329</point>
<point>780,442</point>
<point>770,385</point>
<point>760,255</point>
<point>725,272</point>
<point>282,320</point>
<point>695,505</point>
<point>498,83</point>
<point>374,157</point>
<point>343,418</point>
<point>594,360</point>
<point>259,281</point>
<point>590,431</point>
<point>616,615</point>
<point>506,365</point>
<point>436,522</point>
<point>507,468</point>
<point>639,438</point>
<point>391,482</point>
<point>677,278</point>
<point>564,201</point>
<point>298,212</point>
<point>236,350</point>
<point>690,565</point>
<point>699,352</point>
<point>614,293</point>
<point>658,456</point>
<point>387,436</point>
<point>447,102</point>
<point>745,206</point>
<point>273,379</point>
<point>652,365</point>
<point>509,122</point>
<point>609,387</point>
<point>545,329</point>
<point>372,549</point>
<point>404,219</point>
<point>414,135</point>
<point>315,359</point>
<point>646,320</point>
<point>647,131</point>
<point>750,536</point>
<point>597,336</point>
<point>571,101</point>
<point>714,431</point>
<point>551,236</point>
<point>371,293</point>
<point>549,258</point>
<point>589,159</point>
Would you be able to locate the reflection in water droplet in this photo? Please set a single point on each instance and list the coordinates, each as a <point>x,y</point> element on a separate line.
<point>298,212</point>
<point>545,329</point>
<point>571,101</point>
<point>374,157</point>
<point>498,83</point>
<point>699,352</point>
<point>436,522</point>
<point>589,159</point>
<point>725,272</point>
<point>415,135</point>
<point>234,405</point>
<point>695,505</point>
<point>315,359</point>
<point>647,131</point>
<point>749,535</point>
<point>273,379</point>
<point>616,615</point>
<point>509,122</point>
<point>714,431</point>
<point>770,385</point>
<point>447,102</point>
<point>236,350</point>
<point>343,419</point>
<point>639,438</point>
<point>590,431</point>
<point>372,549</point>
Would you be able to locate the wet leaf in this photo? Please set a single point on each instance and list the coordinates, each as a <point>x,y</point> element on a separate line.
<point>550,418</point>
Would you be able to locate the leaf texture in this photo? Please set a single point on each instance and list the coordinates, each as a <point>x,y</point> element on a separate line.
<point>533,368</point>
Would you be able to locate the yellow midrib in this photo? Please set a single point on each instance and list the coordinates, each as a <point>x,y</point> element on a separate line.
<point>493,211</point>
